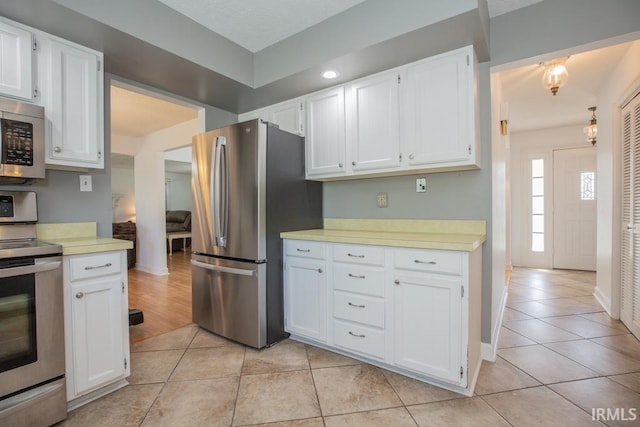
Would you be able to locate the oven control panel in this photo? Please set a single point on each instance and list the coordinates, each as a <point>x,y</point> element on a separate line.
<point>6,206</point>
<point>17,142</point>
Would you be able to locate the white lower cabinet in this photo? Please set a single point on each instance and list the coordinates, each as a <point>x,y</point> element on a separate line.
<point>96,324</point>
<point>305,294</point>
<point>412,311</point>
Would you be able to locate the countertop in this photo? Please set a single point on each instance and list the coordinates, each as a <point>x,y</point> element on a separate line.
<point>454,235</point>
<point>79,238</point>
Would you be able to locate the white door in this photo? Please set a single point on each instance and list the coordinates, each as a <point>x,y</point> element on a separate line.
<point>373,128</point>
<point>574,209</point>
<point>16,77</point>
<point>428,328</point>
<point>98,322</point>
<point>305,298</point>
<point>326,135</point>
<point>73,108</point>
<point>630,269</point>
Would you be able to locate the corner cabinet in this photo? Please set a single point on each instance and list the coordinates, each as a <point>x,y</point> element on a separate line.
<point>412,311</point>
<point>96,324</point>
<point>73,99</point>
<point>16,60</point>
<point>288,115</point>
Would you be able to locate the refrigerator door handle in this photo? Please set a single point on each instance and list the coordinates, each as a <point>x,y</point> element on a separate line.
<point>222,269</point>
<point>220,185</point>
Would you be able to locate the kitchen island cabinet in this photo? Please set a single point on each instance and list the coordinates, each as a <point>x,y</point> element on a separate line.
<point>405,301</point>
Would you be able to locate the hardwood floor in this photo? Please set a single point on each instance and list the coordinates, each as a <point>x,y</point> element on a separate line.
<point>164,300</point>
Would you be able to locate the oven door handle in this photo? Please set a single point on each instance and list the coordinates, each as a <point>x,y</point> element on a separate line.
<point>29,269</point>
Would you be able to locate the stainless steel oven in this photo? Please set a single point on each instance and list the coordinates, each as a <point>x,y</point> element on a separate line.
<point>32,363</point>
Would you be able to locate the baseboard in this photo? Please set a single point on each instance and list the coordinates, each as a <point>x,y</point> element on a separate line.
<point>489,351</point>
<point>602,299</point>
<point>162,272</point>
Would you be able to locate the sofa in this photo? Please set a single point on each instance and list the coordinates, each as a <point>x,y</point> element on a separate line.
<point>178,221</point>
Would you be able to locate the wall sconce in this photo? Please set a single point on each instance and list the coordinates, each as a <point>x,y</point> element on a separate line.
<point>591,130</point>
<point>504,118</point>
<point>555,74</point>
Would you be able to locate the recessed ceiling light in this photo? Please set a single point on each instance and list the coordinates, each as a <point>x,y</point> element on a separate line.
<point>330,74</point>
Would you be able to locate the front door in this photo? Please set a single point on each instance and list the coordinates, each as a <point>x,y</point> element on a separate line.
<point>574,209</point>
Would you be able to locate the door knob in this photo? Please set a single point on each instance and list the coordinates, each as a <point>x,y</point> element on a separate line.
<point>57,149</point>
<point>79,295</point>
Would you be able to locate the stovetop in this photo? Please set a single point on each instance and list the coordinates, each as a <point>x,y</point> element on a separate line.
<point>27,247</point>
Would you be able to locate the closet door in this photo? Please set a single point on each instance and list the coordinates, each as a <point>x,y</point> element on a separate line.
<point>630,304</point>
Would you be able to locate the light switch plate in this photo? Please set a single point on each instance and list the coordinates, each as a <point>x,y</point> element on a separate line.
<point>85,183</point>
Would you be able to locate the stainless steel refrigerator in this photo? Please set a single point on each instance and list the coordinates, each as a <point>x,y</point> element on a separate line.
<point>248,186</point>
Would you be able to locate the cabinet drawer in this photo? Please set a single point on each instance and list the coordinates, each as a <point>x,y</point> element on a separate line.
<point>359,308</point>
<point>95,265</point>
<point>305,248</point>
<point>359,338</point>
<point>447,262</point>
<point>371,255</point>
<point>359,278</point>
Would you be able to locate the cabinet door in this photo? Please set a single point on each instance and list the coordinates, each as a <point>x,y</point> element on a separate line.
<point>16,75</point>
<point>97,325</point>
<point>74,94</point>
<point>325,150</point>
<point>373,131</point>
<point>305,298</point>
<point>439,109</point>
<point>288,115</point>
<point>427,311</point>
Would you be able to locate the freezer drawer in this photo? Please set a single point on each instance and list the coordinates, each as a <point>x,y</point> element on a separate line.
<point>229,299</point>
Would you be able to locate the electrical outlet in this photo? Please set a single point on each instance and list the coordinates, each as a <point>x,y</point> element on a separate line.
<point>421,185</point>
<point>382,200</point>
<point>85,183</point>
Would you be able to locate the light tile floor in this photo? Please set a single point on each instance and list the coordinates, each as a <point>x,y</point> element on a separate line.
<point>560,356</point>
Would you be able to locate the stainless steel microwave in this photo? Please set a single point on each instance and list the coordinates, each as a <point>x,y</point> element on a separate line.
<point>21,142</point>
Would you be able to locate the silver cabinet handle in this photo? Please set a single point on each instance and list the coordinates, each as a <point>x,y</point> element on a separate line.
<point>57,149</point>
<point>320,270</point>
<point>339,165</point>
<point>93,267</point>
<point>411,156</point>
<point>629,227</point>
<point>355,256</point>
<point>417,261</point>
<point>356,277</point>
<point>303,250</point>
<point>79,295</point>
<point>353,163</point>
<point>356,305</point>
<point>397,282</point>
<point>357,335</point>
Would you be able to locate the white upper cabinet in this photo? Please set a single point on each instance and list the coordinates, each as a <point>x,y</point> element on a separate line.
<point>16,59</point>
<point>74,105</point>
<point>372,120</point>
<point>439,111</point>
<point>288,116</point>
<point>326,135</point>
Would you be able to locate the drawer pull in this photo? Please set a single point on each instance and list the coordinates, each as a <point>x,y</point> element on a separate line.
<point>397,282</point>
<point>93,267</point>
<point>356,277</point>
<point>303,250</point>
<point>79,295</point>
<point>320,270</point>
<point>355,256</point>
<point>356,305</point>
<point>417,261</point>
<point>357,335</point>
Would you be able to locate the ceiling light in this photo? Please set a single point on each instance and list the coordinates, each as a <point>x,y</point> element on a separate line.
<point>555,74</point>
<point>591,130</point>
<point>330,74</point>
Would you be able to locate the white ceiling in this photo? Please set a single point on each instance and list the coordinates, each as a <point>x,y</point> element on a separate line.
<point>532,106</point>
